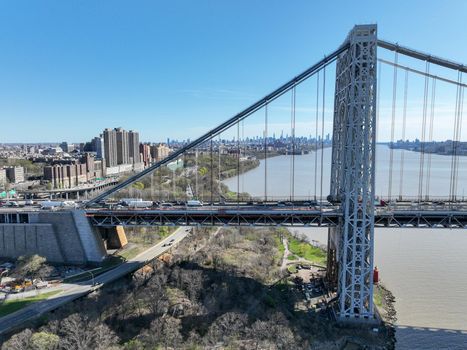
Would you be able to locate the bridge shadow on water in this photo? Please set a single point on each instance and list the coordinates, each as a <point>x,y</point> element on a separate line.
<point>413,337</point>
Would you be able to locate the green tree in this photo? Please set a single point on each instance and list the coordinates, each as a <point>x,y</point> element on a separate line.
<point>44,341</point>
<point>30,265</point>
<point>138,185</point>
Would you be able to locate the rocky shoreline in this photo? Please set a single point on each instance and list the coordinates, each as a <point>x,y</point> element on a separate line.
<point>388,312</point>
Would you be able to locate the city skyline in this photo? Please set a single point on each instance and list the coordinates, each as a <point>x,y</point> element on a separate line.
<point>168,67</point>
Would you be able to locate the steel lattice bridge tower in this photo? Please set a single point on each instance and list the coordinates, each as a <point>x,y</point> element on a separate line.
<point>352,217</point>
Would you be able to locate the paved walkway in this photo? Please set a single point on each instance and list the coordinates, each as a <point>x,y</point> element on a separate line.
<point>285,242</point>
<point>74,291</point>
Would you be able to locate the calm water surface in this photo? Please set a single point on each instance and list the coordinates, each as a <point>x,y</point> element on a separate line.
<point>426,269</point>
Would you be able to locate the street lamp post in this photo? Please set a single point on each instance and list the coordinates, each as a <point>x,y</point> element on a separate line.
<point>92,276</point>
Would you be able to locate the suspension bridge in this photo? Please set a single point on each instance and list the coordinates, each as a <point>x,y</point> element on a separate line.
<point>369,94</point>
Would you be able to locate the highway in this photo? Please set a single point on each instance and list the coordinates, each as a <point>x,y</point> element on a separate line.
<point>74,291</point>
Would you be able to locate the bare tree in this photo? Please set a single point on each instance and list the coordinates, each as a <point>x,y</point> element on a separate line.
<point>163,331</point>
<point>79,333</point>
<point>19,341</point>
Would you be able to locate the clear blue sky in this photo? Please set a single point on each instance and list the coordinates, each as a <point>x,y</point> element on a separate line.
<point>68,69</point>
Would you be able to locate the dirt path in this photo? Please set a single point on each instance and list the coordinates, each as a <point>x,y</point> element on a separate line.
<point>285,242</point>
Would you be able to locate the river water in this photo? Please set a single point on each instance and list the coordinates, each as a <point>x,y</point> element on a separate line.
<point>424,268</point>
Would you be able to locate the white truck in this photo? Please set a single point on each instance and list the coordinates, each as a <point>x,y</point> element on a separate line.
<point>51,204</point>
<point>127,201</point>
<point>194,203</point>
<point>139,204</point>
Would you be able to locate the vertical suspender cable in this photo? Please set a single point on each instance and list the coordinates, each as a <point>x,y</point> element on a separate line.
<point>322,130</point>
<point>422,142</point>
<point>212,176</point>
<point>292,192</point>
<point>184,174</point>
<point>378,82</point>
<point>160,185</point>
<point>152,186</point>
<point>316,134</point>
<point>238,163</point>
<point>219,167</point>
<point>461,115</point>
<point>459,133</point>
<point>393,120</point>
<point>243,145</point>
<point>452,191</point>
<point>430,136</point>
<point>266,152</point>
<point>196,174</point>
<point>404,122</point>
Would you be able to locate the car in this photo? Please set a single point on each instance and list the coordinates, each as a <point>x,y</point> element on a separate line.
<point>29,202</point>
<point>173,239</point>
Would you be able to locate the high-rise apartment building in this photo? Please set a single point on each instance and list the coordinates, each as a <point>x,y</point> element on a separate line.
<point>133,147</point>
<point>145,150</point>
<point>110,147</point>
<point>98,147</point>
<point>123,152</point>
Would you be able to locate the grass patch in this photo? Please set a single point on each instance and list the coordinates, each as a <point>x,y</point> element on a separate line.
<point>13,305</point>
<point>279,245</point>
<point>307,251</point>
<point>292,268</point>
<point>108,264</point>
<point>130,253</point>
<point>292,257</point>
<point>378,297</point>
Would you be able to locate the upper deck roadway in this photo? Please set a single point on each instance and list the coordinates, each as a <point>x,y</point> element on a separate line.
<point>435,214</point>
<point>402,214</point>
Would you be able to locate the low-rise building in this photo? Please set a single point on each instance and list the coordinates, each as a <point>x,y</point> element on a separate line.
<point>15,174</point>
<point>159,152</point>
<point>3,178</point>
<point>75,173</point>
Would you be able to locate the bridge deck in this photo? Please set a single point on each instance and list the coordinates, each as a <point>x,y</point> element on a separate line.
<point>305,217</point>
